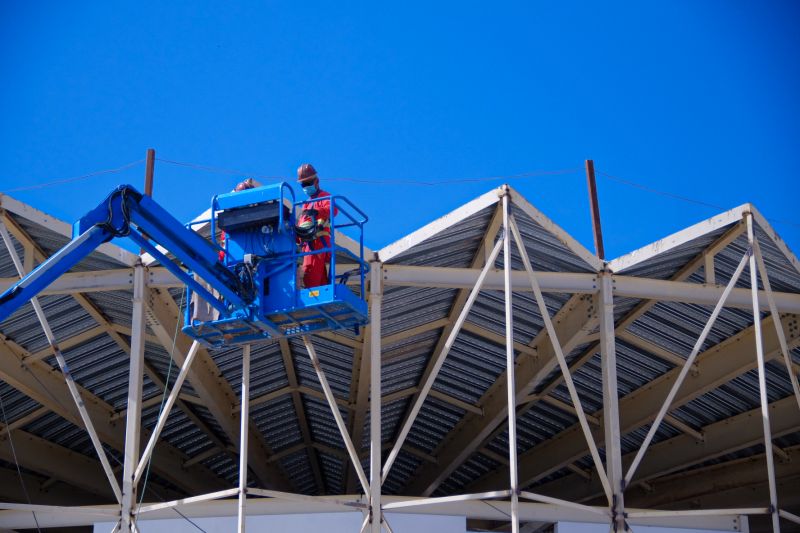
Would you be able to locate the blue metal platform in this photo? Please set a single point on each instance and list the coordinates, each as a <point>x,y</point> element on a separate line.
<point>325,308</point>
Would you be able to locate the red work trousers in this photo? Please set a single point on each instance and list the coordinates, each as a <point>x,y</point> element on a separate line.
<point>315,267</point>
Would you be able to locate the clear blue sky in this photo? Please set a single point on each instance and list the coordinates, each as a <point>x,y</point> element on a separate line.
<point>695,98</point>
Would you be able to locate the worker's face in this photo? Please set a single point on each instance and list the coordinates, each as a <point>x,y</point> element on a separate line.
<point>310,187</point>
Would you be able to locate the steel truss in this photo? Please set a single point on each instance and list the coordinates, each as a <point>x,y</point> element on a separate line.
<point>512,503</point>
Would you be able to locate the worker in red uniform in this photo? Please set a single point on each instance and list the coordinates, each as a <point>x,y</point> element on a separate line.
<point>318,212</point>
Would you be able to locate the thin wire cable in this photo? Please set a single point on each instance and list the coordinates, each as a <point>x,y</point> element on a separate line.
<point>656,191</point>
<point>162,499</point>
<point>381,181</point>
<point>163,399</point>
<point>218,170</point>
<point>16,461</point>
<point>75,178</point>
<point>495,508</point>
<point>679,197</point>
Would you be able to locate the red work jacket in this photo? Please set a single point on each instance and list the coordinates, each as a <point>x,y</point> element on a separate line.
<point>323,208</point>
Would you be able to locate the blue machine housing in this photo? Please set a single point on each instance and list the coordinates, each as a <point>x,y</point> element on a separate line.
<point>260,246</point>
<point>247,283</point>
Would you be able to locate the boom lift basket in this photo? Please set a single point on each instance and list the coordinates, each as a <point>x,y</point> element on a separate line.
<point>241,289</point>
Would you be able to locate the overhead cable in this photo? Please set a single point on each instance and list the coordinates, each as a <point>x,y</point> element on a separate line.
<point>75,178</point>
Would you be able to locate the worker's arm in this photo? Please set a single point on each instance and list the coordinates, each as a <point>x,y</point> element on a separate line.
<point>323,207</point>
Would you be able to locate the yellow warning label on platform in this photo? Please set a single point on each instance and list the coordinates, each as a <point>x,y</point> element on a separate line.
<point>313,294</point>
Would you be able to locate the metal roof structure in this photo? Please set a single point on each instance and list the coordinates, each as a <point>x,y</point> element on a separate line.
<point>444,380</point>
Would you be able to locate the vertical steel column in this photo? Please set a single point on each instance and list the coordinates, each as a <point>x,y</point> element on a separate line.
<point>512,385</point>
<point>133,424</point>
<point>243,436</point>
<point>375,480</point>
<point>762,382</point>
<point>608,354</point>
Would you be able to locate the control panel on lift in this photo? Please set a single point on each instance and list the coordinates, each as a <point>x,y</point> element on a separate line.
<point>242,284</point>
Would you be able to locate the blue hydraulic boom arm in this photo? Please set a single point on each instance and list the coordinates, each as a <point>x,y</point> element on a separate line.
<point>128,213</point>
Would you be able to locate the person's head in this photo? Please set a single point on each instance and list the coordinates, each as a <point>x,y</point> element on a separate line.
<point>308,179</point>
<point>244,185</point>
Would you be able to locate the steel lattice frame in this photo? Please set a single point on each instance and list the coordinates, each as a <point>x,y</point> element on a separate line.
<point>587,317</point>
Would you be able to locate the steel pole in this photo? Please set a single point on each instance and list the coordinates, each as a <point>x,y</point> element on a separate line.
<point>149,168</point>
<point>375,481</point>
<point>511,381</point>
<point>244,416</point>
<point>762,381</point>
<point>595,207</point>
<point>133,424</point>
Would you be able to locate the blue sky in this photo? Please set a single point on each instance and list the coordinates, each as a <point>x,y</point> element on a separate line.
<point>694,98</point>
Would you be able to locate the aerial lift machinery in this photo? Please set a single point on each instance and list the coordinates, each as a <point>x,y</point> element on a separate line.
<point>249,280</point>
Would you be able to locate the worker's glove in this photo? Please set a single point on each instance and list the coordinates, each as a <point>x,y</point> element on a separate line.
<point>306,227</point>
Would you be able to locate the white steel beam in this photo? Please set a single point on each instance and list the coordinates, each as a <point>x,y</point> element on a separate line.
<point>728,218</point>
<point>439,361</point>
<point>437,226</point>
<point>679,453</point>
<point>562,361</point>
<point>479,259</point>
<point>54,461</point>
<point>359,396</point>
<point>113,331</point>
<point>62,363</point>
<point>608,356</point>
<point>573,322</point>
<point>669,491</point>
<point>312,354</point>
<point>375,472</point>
<point>551,227</point>
<point>624,286</point>
<point>685,369</point>
<point>773,236</point>
<point>300,411</point>
<point>119,279</point>
<point>207,380</point>
<point>244,417</point>
<point>165,411</point>
<point>23,420</point>
<point>37,381</point>
<point>787,358</point>
<point>717,365</point>
<point>762,379</point>
<point>133,424</point>
<point>511,383</point>
<point>729,236</point>
<point>472,509</point>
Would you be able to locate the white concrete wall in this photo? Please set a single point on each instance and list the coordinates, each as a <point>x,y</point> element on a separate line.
<point>575,527</point>
<point>323,523</point>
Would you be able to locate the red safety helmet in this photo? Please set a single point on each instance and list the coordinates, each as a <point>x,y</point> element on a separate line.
<point>306,173</point>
